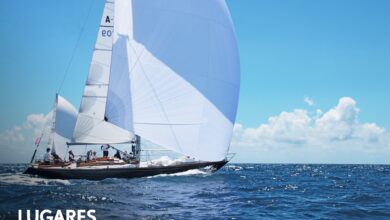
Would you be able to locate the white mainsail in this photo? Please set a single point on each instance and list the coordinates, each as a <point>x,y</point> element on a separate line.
<point>92,127</point>
<point>184,73</point>
<point>168,72</point>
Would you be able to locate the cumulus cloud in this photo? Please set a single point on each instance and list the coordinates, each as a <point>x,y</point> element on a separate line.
<point>17,143</point>
<point>299,135</point>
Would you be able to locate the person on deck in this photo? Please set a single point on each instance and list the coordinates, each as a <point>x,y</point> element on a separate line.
<point>105,148</point>
<point>71,156</point>
<point>118,155</point>
<point>89,155</point>
<point>47,157</point>
<point>56,158</point>
<point>126,156</point>
<point>93,157</point>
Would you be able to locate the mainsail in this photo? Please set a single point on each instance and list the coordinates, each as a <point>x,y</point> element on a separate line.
<point>169,72</point>
<point>92,126</point>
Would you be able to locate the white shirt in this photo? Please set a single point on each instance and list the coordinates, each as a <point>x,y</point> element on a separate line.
<point>105,147</point>
<point>47,157</point>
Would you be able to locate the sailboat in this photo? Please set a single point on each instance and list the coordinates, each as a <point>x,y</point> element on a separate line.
<point>164,71</point>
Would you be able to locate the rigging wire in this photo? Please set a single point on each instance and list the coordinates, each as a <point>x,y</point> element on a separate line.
<point>66,71</point>
<point>75,48</point>
<point>39,139</point>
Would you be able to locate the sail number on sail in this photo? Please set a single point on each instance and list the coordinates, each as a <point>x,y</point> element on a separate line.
<point>106,33</point>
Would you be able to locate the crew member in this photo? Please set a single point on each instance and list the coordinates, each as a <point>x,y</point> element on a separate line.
<point>118,154</point>
<point>105,148</point>
<point>89,155</point>
<point>56,158</point>
<point>93,157</point>
<point>71,156</point>
<point>126,156</point>
<point>47,157</point>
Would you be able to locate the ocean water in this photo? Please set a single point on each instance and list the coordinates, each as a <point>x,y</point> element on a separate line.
<point>237,191</point>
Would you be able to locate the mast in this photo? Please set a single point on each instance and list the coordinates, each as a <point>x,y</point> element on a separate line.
<point>50,141</point>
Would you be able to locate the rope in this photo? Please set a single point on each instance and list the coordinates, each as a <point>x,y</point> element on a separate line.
<point>75,48</point>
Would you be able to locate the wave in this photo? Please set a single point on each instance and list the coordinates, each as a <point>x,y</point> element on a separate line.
<point>233,167</point>
<point>26,180</point>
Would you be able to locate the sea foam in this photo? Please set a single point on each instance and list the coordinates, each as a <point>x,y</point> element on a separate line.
<point>26,180</point>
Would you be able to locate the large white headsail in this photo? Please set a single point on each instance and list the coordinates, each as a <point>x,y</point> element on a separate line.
<point>184,73</point>
<point>119,103</point>
<point>92,126</point>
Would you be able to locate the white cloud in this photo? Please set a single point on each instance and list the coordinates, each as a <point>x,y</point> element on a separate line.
<point>17,143</point>
<point>297,136</point>
<point>308,101</point>
<point>339,122</point>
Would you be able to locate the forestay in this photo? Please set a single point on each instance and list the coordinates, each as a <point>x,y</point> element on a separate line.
<point>182,72</point>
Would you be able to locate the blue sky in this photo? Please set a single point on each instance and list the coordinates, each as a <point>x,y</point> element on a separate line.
<point>324,50</point>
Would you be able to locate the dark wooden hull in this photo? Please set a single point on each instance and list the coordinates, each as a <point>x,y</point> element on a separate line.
<point>99,174</point>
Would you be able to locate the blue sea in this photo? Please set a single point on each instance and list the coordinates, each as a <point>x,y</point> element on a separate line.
<point>237,191</point>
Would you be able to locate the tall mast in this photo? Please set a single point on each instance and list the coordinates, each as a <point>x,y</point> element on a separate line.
<point>50,141</point>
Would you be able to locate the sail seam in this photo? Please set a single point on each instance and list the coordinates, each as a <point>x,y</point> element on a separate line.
<point>101,49</point>
<point>156,96</point>
<point>96,84</point>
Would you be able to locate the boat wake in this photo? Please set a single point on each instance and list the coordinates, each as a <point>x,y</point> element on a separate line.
<point>26,180</point>
<point>167,161</point>
<point>194,172</point>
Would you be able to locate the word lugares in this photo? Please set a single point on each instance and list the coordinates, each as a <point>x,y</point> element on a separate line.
<point>46,214</point>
